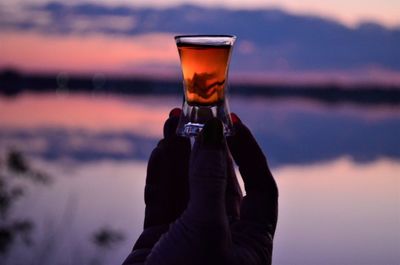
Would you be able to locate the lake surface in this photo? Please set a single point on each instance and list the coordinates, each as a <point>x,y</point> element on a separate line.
<point>337,168</point>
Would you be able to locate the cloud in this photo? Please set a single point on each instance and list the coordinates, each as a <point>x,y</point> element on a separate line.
<point>268,40</point>
<point>58,18</point>
<point>93,53</point>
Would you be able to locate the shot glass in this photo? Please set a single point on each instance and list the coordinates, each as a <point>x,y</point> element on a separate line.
<point>205,64</point>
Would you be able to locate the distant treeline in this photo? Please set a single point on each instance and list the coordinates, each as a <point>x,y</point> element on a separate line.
<point>12,83</point>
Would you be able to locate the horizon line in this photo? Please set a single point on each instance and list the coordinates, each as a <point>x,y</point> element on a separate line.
<point>301,78</point>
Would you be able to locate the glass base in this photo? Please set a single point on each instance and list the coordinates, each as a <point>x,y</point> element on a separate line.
<point>191,129</point>
<point>193,119</point>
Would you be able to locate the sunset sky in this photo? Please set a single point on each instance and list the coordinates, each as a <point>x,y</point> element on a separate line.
<point>349,12</point>
<point>36,38</point>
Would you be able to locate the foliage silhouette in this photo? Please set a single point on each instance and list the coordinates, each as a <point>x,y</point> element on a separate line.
<point>13,169</point>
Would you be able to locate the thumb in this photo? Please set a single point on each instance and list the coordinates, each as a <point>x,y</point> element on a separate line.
<point>208,172</point>
<point>201,235</point>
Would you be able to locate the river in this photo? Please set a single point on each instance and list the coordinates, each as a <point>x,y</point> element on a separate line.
<point>337,167</point>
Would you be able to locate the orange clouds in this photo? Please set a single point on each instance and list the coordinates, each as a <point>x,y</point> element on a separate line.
<point>91,53</point>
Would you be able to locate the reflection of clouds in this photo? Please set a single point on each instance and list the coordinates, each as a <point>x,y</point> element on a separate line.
<point>297,131</point>
<point>56,144</point>
<point>143,116</point>
<point>99,144</point>
<point>85,127</point>
<point>32,144</point>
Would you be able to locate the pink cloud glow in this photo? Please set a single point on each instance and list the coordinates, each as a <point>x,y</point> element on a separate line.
<point>92,53</point>
<point>154,55</point>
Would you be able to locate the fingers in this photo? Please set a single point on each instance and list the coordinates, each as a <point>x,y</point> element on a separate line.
<point>166,191</point>
<point>170,125</point>
<point>250,159</point>
<point>261,201</point>
<point>208,159</point>
<point>208,174</point>
<point>201,235</point>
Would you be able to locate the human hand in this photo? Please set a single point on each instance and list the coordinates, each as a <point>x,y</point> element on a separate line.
<point>167,190</point>
<point>215,228</point>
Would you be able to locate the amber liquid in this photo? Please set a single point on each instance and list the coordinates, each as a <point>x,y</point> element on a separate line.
<point>204,70</point>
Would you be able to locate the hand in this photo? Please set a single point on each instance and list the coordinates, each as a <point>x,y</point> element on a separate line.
<point>215,227</point>
<point>167,188</point>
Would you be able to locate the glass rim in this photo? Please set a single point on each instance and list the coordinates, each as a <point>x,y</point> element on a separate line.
<point>208,39</point>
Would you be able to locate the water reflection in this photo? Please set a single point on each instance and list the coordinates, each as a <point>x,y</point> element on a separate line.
<point>99,202</point>
<point>292,132</point>
<point>333,209</point>
<point>339,211</point>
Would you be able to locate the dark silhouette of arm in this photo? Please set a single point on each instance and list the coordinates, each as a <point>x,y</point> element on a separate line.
<point>217,227</point>
<point>166,190</point>
<point>253,234</point>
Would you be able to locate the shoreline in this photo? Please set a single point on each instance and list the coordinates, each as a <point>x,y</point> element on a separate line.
<point>14,83</point>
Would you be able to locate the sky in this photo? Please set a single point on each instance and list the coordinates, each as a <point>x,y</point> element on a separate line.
<point>349,12</point>
<point>34,38</point>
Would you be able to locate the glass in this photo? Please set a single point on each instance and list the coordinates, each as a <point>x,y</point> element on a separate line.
<point>205,63</point>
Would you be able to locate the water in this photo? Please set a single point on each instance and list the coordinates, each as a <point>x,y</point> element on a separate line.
<point>337,168</point>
